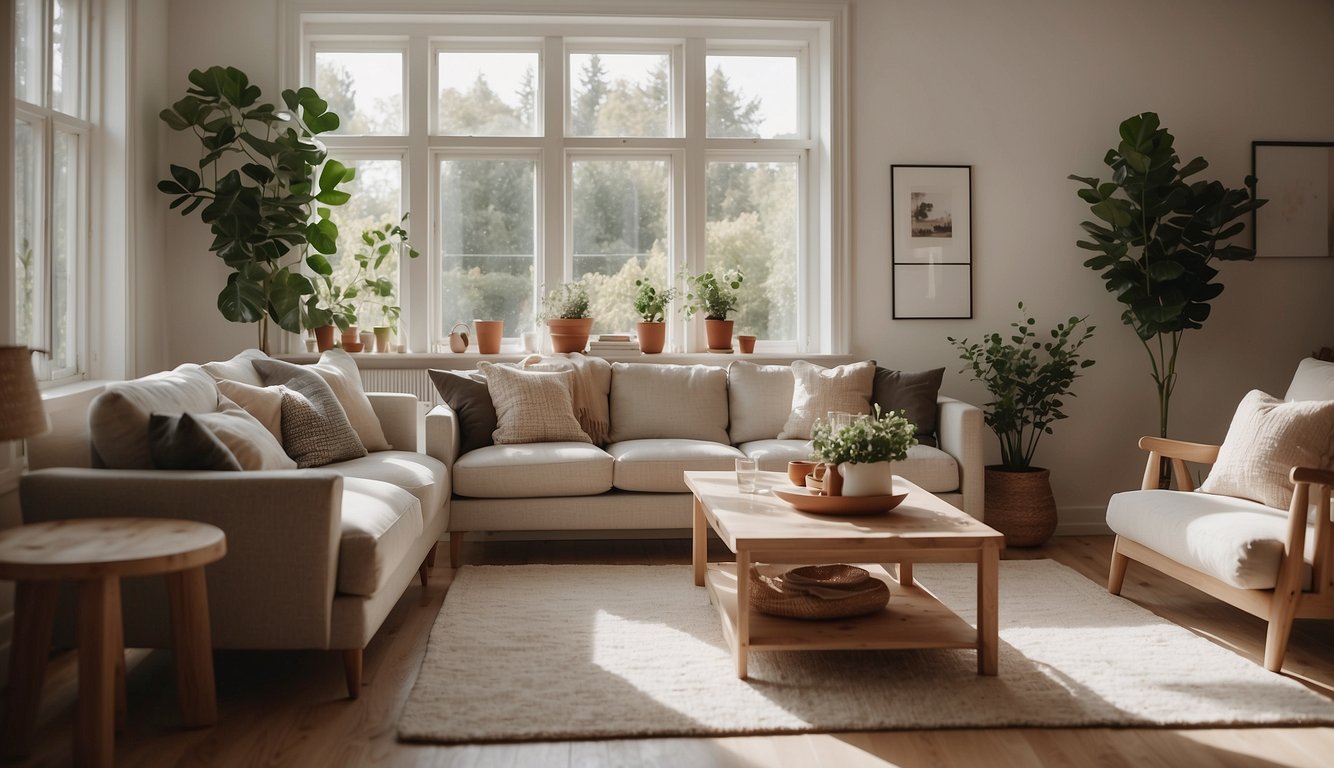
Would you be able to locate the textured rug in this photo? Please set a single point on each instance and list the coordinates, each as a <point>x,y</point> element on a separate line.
<point>548,652</point>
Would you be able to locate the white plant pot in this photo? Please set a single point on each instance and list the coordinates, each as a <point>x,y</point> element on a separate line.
<point>874,479</point>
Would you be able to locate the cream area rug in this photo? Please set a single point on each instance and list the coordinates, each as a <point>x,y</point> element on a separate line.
<point>549,652</point>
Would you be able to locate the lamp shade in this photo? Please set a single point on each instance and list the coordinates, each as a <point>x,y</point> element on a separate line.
<point>21,412</point>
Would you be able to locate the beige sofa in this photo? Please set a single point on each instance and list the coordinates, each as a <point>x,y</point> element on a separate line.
<point>666,419</point>
<point>316,558</point>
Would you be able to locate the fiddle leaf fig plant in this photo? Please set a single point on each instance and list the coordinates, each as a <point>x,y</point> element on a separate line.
<point>261,175</point>
<point>1154,237</point>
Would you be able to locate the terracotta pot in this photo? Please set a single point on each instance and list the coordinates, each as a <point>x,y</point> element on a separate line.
<point>569,334</point>
<point>324,338</point>
<point>797,471</point>
<point>746,344</point>
<point>719,334</point>
<point>489,333</point>
<point>1020,505</point>
<point>652,337</point>
<point>351,335</point>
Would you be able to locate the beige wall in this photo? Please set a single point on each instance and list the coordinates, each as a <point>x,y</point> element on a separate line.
<point>1026,92</point>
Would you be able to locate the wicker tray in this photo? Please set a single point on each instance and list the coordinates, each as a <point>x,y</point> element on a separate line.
<point>864,596</point>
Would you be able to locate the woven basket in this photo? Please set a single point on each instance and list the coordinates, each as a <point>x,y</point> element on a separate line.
<point>766,598</point>
<point>1020,505</point>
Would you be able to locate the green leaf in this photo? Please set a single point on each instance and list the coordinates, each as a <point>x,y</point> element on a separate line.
<point>242,301</point>
<point>319,264</point>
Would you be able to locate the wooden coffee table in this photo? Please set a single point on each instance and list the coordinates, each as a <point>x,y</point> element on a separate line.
<point>923,529</point>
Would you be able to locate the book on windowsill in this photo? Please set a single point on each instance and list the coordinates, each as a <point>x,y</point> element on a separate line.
<point>615,337</point>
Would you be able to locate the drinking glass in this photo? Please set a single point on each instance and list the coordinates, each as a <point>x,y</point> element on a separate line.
<point>745,475</point>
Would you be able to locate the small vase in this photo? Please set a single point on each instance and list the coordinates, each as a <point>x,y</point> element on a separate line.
<point>719,334</point>
<point>367,341</point>
<point>746,344</point>
<point>489,334</point>
<point>382,333</point>
<point>652,337</point>
<point>871,479</point>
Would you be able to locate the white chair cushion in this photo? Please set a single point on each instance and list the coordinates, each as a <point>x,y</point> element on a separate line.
<point>651,401</point>
<point>772,455</point>
<point>1234,540</point>
<point>533,470</point>
<point>659,466</point>
<point>418,474</point>
<point>759,399</point>
<point>1314,380</point>
<point>931,468</point>
<point>380,525</point>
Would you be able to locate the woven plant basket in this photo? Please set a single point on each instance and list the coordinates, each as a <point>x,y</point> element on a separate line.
<point>766,598</point>
<point>1020,505</point>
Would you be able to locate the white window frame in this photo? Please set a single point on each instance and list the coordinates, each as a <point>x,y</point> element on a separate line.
<point>497,45</point>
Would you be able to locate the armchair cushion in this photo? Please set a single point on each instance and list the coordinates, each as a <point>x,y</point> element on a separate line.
<point>1267,438</point>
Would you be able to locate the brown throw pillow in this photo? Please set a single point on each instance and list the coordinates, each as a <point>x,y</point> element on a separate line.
<point>466,393</point>
<point>913,393</point>
<point>180,441</point>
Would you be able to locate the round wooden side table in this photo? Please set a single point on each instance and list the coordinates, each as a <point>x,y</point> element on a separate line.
<point>94,554</point>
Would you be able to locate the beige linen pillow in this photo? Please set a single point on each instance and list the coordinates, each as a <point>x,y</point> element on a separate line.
<point>249,441</point>
<point>118,418</point>
<point>264,403</point>
<point>759,400</point>
<point>819,390</point>
<point>651,400</point>
<point>239,368</point>
<point>1267,438</point>
<point>532,406</point>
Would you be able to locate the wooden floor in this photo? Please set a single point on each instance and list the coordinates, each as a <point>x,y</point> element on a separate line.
<point>289,708</point>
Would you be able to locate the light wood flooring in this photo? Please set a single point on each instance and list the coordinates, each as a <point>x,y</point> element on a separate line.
<point>289,708</point>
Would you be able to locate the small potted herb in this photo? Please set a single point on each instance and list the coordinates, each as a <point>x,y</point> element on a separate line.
<point>566,311</point>
<point>651,303</point>
<point>715,295</point>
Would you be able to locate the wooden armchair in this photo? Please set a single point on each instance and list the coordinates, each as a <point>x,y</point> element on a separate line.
<point>1290,574</point>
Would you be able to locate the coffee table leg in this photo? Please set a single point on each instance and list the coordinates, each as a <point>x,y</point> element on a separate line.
<point>192,642</point>
<point>905,574</point>
<point>988,599</point>
<point>699,543</point>
<point>742,610</point>
<point>99,628</point>
<point>34,612</point>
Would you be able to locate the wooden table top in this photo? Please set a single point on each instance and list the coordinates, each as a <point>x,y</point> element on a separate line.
<point>922,520</point>
<point>92,548</point>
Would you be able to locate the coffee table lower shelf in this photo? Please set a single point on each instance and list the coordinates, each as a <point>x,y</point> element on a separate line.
<point>914,618</point>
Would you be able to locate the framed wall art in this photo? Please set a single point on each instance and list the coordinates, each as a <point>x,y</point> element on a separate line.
<point>931,212</point>
<point>1297,178</point>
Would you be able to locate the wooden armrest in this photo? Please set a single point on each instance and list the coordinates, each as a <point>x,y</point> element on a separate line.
<point>1201,453</point>
<point>1312,475</point>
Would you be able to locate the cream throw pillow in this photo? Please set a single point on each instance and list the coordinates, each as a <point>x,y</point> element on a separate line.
<point>532,406</point>
<point>249,441</point>
<point>118,418</point>
<point>264,403</point>
<point>1267,438</point>
<point>819,390</point>
<point>239,368</point>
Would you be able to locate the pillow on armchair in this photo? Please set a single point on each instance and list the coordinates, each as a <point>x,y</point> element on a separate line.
<point>1267,438</point>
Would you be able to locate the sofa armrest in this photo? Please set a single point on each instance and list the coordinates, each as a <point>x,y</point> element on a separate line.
<point>397,413</point>
<point>275,586</point>
<point>442,434</point>
<point>961,430</point>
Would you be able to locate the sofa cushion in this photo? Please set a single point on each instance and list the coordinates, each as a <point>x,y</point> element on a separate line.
<point>380,525</point>
<point>240,368</point>
<point>658,465</point>
<point>818,390</point>
<point>339,371</point>
<point>118,417</point>
<point>179,441</point>
<point>651,400</point>
<point>466,394</point>
<point>914,394</point>
<point>532,406</point>
<point>533,470</point>
<point>1235,540</point>
<point>1314,380</point>
<point>416,473</point>
<point>264,403</point>
<point>759,400</point>
<point>315,429</point>
<point>1267,438</point>
<point>931,468</point>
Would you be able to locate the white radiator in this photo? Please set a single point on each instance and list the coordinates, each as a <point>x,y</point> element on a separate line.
<point>412,381</point>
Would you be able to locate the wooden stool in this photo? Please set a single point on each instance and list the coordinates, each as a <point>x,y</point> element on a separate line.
<point>96,553</point>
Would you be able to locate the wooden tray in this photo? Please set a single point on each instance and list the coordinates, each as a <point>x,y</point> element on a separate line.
<point>806,500</point>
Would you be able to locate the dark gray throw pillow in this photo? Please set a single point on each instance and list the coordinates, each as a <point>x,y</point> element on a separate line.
<point>315,427</point>
<point>913,393</point>
<point>466,393</point>
<point>183,442</point>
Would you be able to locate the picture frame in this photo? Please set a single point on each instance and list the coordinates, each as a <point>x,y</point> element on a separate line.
<point>1297,178</point>
<point>931,236</point>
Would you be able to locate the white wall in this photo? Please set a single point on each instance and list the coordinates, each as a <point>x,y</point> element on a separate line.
<point>1026,92</point>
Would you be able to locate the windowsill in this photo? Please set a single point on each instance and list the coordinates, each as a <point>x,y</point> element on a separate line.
<point>458,360</point>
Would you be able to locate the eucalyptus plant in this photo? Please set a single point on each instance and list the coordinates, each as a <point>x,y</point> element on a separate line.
<point>1027,380</point>
<point>1155,237</point>
<point>264,187</point>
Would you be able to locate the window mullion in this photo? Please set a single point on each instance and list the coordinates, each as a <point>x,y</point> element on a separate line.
<point>553,205</point>
<point>420,290</point>
<point>695,210</point>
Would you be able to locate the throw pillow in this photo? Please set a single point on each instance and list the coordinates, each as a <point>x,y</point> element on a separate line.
<point>759,400</point>
<point>465,392</point>
<point>532,406</point>
<point>180,441</point>
<point>340,372</point>
<point>818,391</point>
<point>264,403</point>
<point>118,417</point>
<point>651,400</point>
<point>249,441</point>
<point>913,393</point>
<point>315,430</point>
<point>238,368</point>
<point>1267,438</point>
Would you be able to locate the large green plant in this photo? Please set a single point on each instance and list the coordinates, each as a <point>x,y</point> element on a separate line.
<point>257,188</point>
<point>1027,379</point>
<point>1155,236</point>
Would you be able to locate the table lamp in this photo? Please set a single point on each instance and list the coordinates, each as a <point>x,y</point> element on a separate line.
<point>21,412</point>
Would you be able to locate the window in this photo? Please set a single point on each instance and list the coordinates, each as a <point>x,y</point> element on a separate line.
<point>606,150</point>
<point>51,138</point>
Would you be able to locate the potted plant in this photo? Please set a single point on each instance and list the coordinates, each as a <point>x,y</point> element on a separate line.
<point>368,288</point>
<point>1155,236</point>
<point>1027,380</point>
<point>859,452</point>
<point>565,310</point>
<point>714,294</point>
<point>651,303</point>
<point>268,196</point>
